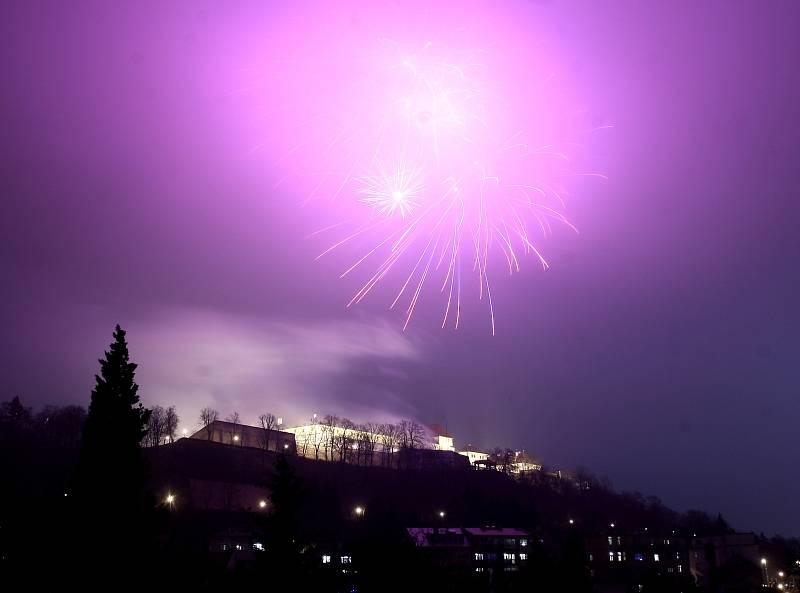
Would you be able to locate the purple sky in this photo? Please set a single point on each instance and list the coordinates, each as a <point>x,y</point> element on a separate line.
<point>656,350</point>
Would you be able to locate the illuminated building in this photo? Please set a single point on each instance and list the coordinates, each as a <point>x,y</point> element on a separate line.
<point>474,456</point>
<point>484,550</point>
<point>243,435</point>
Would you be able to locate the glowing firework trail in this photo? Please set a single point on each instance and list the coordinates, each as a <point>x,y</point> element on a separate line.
<point>441,163</point>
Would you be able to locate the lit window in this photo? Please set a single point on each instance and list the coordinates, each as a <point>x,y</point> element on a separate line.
<point>326,559</point>
<point>619,556</point>
<point>479,569</point>
<point>347,559</point>
<point>238,546</point>
<point>224,547</point>
<point>619,541</point>
<point>523,556</point>
<point>610,541</point>
<point>523,542</point>
<point>478,556</point>
<point>591,557</point>
<point>509,558</point>
<point>611,556</point>
<point>677,554</point>
<point>656,558</point>
<point>638,556</point>
<point>669,569</point>
<point>666,542</point>
<point>258,546</point>
<point>680,568</point>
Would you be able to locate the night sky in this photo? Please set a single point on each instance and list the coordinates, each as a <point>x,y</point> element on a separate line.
<point>656,350</point>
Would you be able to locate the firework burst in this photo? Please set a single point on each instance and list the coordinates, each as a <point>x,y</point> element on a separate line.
<point>443,165</point>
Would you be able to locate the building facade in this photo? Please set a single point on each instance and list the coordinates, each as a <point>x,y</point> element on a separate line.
<point>243,435</point>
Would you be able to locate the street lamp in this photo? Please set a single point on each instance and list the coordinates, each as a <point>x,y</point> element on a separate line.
<point>170,500</point>
<point>262,504</point>
<point>571,522</point>
<point>441,514</point>
<point>612,526</point>
<point>359,511</point>
<point>236,438</point>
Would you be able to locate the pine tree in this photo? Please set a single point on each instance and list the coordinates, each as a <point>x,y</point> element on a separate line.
<point>112,503</point>
<point>116,422</point>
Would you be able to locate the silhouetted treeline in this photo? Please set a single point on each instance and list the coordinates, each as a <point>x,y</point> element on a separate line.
<point>52,426</point>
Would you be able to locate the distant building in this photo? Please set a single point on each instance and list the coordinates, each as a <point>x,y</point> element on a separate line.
<point>474,456</point>
<point>626,561</point>
<point>484,550</point>
<point>716,560</point>
<point>443,443</point>
<point>343,443</point>
<point>243,435</point>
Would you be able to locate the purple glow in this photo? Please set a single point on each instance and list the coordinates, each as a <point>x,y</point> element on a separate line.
<point>438,145</point>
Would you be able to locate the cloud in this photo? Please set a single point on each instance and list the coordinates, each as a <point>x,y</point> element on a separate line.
<point>192,358</point>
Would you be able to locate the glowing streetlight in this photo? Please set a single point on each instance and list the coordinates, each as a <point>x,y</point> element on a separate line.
<point>612,526</point>
<point>236,437</point>
<point>262,504</point>
<point>441,514</point>
<point>780,574</point>
<point>170,500</point>
<point>763,562</point>
<point>359,511</point>
<point>572,522</point>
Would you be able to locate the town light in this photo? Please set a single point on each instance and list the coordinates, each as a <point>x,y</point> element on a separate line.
<point>764,561</point>
<point>441,514</point>
<point>780,573</point>
<point>354,446</point>
<point>280,421</point>
<point>571,522</point>
<point>359,511</point>
<point>170,498</point>
<point>184,432</point>
<point>286,445</point>
<point>780,586</point>
<point>236,437</point>
<point>612,526</point>
<point>262,504</point>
